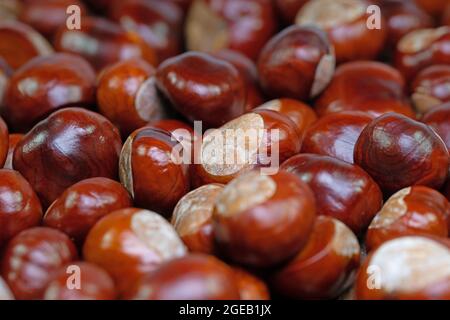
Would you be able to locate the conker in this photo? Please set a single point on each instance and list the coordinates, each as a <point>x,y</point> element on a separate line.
<point>4,142</point>
<point>13,140</point>
<point>438,118</point>
<point>250,287</point>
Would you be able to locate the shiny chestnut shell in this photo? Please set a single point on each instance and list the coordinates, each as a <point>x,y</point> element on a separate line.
<point>250,287</point>
<point>13,140</point>
<point>439,119</point>
<point>4,142</point>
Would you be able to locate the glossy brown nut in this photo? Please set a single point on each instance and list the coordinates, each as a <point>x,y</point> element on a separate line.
<point>203,88</point>
<point>300,113</point>
<point>21,43</point>
<point>420,49</point>
<point>102,42</point>
<point>77,210</point>
<point>47,15</point>
<point>178,129</point>
<point>241,25</point>
<point>439,119</point>
<point>93,283</point>
<point>262,220</point>
<point>19,206</point>
<point>434,7</point>
<point>431,87</point>
<point>152,170</point>
<point>325,267</point>
<point>193,277</point>
<point>335,134</point>
<point>44,85</point>
<point>130,243</point>
<point>399,152</point>
<point>127,95</point>
<point>345,22</point>
<point>406,268</point>
<point>192,218</point>
<point>248,71</point>
<point>415,210</point>
<point>31,259</point>
<point>288,9</point>
<point>297,63</point>
<point>4,142</point>
<point>249,142</point>
<point>70,145</point>
<point>366,86</point>
<point>342,190</point>
<point>159,23</point>
<point>5,292</point>
<point>250,287</point>
<point>13,139</point>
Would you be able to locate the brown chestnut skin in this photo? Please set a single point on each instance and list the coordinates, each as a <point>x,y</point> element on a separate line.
<point>345,22</point>
<point>202,87</point>
<point>433,7</point>
<point>367,86</point>
<point>5,292</point>
<point>297,63</point>
<point>325,267</point>
<point>399,152</point>
<point>94,283</point>
<point>406,268</point>
<point>438,119</point>
<point>102,42</point>
<point>261,220</point>
<point>77,210</point>
<point>300,113</point>
<point>431,88</point>
<point>47,15</point>
<point>335,134</point>
<point>70,145</point>
<point>250,287</point>
<point>21,43</point>
<point>192,277</point>
<point>178,129</point>
<point>127,95</point>
<point>342,190</point>
<point>44,85</point>
<point>192,218</point>
<point>10,9</point>
<point>32,258</point>
<point>148,170</point>
<point>5,74</point>
<point>446,17</point>
<point>130,243</point>
<point>414,210</point>
<point>420,49</point>
<point>241,25</point>
<point>19,206</point>
<point>159,23</point>
<point>263,149</point>
<point>4,142</point>
<point>288,9</point>
<point>13,139</point>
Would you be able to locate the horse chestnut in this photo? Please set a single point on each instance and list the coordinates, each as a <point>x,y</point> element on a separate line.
<point>13,140</point>
<point>4,142</point>
<point>438,118</point>
<point>250,287</point>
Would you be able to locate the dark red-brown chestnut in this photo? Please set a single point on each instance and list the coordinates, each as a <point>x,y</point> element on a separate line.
<point>4,142</point>
<point>13,139</point>
<point>438,118</point>
<point>250,287</point>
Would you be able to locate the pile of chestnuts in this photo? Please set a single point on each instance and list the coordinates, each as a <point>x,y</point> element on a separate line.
<point>114,124</point>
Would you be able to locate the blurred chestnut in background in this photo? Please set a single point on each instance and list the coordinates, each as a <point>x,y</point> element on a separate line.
<point>4,142</point>
<point>250,287</point>
<point>19,206</point>
<point>434,7</point>
<point>47,15</point>
<point>192,218</point>
<point>20,43</point>
<point>203,88</point>
<point>420,49</point>
<point>288,9</point>
<point>159,23</point>
<point>438,118</point>
<point>127,95</point>
<point>129,243</point>
<point>324,267</point>
<point>399,152</point>
<point>5,292</point>
<point>10,9</point>
<point>416,210</point>
<point>367,86</point>
<point>262,220</point>
<point>193,277</point>
<point>77,210</point>
<point>446,16</point>
<point>431,87</point>
<point>296,63</point>
<point>248,141</point>
<point>102,42</point>
<point>70,145</point>
<point>241,25</point>
<point>345,22</point>
<point>335,134</point>
<point>153,170</point>
<point>94,283</point>
<point>5,74</point>
<point>44,85</point>
<point>342,190</point>
<point>31,259</point>
<point>406,268</point>
<point>301,114</point>
<point>13,139</point>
